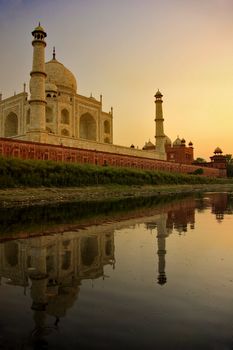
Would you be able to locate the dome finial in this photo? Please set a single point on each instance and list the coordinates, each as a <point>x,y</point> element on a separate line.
<point>54,53</point>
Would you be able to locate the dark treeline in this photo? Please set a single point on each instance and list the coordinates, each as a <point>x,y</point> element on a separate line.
<point>31,173</point>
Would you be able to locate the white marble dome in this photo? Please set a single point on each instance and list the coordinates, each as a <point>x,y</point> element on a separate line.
<point>50,87</point>
<point>59,75</point>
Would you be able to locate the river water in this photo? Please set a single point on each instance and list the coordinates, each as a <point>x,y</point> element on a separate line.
<point>149,276</point>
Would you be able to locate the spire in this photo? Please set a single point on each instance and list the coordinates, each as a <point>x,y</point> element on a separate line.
<point>54,53</point>
<point>158,95</point>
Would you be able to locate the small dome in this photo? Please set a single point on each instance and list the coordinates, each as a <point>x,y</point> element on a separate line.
<point>158,94</point>
<point>148,145</point>
<point>190,144</point>
<point>217,150</point>
<point>50,87</point>
<point>92,97</point>
<point>59,75</point>
<point>177,142</point>
<point>183,141</point>
<point>39,28</point>
<point>167,141</point>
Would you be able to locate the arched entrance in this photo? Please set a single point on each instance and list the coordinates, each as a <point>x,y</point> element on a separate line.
<point>49,115</point>
<point>11,125</point>
<point>87,127</point>
<point>11,253</point>
<point>106,127</point>
<point>89,250</point>
<point>65,118</point>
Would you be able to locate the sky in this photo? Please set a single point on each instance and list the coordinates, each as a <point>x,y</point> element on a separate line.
<point>126,50</point>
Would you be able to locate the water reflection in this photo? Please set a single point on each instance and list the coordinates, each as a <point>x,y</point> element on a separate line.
<point>51,268</point>
<point>220,203</point>
<point>178,216</point>
<point>54,267</point>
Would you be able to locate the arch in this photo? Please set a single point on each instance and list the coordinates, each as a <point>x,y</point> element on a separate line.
<point>89,250</point>
<point>106,140</point>
<point>65,132</point>
<point>28,117</point>
<point>108,248</point>
<point>106,127</point>
<point>50,263</point>
<point>66,260</point>
<point>65,119</point>
<point>48,95</point>
<point>11,125</point>
<point>87,127</point>
<point>49,115</point>
<point>11,253</point>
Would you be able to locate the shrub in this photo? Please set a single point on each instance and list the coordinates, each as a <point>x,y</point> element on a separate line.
<point>32,173</point>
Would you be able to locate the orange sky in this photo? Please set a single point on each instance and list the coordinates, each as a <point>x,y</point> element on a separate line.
<point>126,50</point>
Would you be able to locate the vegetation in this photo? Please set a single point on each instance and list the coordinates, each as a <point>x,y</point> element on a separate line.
<point>199,160</point>
<point>30,173</point>
<point>198,171</point>
<point>229,165</point>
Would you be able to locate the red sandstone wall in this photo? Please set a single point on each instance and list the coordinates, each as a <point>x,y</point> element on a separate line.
<point>180,154</point>
<point>33,150</point>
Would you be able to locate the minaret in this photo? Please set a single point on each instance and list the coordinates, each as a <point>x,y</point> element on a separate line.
<point>37,83</point>
<point>159,133</point>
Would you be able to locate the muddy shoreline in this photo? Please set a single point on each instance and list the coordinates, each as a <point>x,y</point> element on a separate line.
<point>26,197</point>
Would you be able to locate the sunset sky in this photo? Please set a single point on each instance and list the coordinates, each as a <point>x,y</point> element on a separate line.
<point>126,50</point>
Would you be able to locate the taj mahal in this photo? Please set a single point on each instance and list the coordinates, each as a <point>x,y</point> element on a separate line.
<point>54,122</point>
<point>55,110</point>
<point>55,113</point>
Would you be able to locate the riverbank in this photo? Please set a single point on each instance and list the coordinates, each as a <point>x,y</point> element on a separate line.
<point>25,197</point>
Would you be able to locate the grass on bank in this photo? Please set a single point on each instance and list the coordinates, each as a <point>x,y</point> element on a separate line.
<point>34,173</point>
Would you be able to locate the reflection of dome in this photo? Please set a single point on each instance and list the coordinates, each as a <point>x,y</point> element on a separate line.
<point>177,142</point>
<point>50,87</point>
<point>59,75</point>
<point>59,304</point>
<point>217,150</point>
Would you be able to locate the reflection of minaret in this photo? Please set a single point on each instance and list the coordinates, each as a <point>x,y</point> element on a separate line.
<point>161,239</point>
<point>159,132</point>
<point>39,279</point>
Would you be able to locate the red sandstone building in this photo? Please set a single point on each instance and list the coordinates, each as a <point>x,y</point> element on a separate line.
<point>176,152</point>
